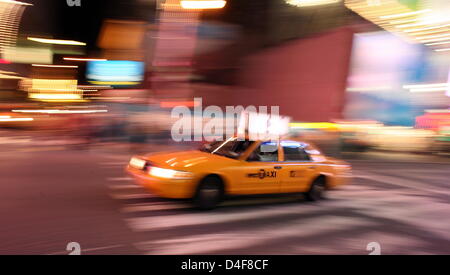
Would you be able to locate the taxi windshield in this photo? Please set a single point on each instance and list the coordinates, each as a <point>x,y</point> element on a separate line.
<point>230,148</point>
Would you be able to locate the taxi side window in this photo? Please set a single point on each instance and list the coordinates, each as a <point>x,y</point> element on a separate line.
<point>266,152</point>
<point>295,152</point>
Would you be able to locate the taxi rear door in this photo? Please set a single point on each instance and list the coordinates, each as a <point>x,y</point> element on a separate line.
<point>298,170</point>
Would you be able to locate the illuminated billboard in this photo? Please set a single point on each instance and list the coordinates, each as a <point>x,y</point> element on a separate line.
<point>28,55</point>
<point>381,64</point>
<point>115,72</point>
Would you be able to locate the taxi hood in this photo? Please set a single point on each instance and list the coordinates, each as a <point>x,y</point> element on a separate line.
<point>185,160</point>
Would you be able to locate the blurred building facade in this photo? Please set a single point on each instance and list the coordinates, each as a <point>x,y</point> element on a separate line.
<point>278,55</point>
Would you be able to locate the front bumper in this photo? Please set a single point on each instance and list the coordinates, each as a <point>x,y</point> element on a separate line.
<point>165,188</point>
<point>342,178</point>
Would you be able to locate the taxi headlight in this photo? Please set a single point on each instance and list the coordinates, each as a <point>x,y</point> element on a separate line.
<point>169,173</point>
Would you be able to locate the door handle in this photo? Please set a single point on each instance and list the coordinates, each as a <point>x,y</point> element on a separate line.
<point>278,167</point>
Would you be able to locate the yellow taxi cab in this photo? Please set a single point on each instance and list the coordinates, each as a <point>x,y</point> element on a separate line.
<point>239,167</point>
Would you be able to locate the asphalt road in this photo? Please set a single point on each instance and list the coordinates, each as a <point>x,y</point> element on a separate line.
<point>53,195</point>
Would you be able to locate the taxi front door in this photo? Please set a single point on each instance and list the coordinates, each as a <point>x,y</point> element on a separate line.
<point>260,174</point>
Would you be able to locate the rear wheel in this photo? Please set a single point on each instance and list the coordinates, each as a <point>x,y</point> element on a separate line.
<point>317,190</point>
<point>209,193</point>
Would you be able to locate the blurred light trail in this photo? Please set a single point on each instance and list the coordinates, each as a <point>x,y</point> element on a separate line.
<point>171,104</point>
<point>55,97</point>
<point>424,90</point>
<point>61,111</point>
<point>84,106</point>
<point>437,43</point>
<point>307,3</point>
<point>84,59</point>
<point>404,14</point>
<point>421,23</point>
<point>418,86</point>
<point>446,35</point>
<point>369,89</point>
<point>438,111</point>
<point>125,83</point>
<point>54,66</point>
<point>442,50</point>
<point>56,41</point>
<point>8,72</point>
<point>7,75</point>
<point>434,40</point>
<point>427,28</point>
<point>428,25</point>
<point>16,119</point>
<point>15,2</point>
<point>203,4</point>
<point>313,125</point>
<point>94,87</point>
<point>110,98</point>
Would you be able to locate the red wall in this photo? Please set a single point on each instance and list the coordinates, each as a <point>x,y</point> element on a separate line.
<point>305,77</point>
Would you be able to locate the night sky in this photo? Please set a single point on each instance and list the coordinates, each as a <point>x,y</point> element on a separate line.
<point>57,19</point>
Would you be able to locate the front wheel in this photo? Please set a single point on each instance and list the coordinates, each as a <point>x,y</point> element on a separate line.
<point>209,193</point>
<point>317,190</point>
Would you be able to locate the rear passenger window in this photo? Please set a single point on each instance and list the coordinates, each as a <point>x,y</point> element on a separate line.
<point>294,151</point>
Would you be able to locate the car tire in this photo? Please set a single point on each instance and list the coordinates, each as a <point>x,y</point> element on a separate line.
<point>209,193</point>
<point>317,190</point>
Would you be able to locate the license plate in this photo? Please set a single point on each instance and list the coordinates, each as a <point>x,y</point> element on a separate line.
<point>137,163</point>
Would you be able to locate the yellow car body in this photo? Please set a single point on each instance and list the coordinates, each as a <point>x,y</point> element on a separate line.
<point>179,174</point>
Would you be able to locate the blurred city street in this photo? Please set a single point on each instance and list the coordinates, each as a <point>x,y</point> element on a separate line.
<point>224,127</point>
<point>53,195</point>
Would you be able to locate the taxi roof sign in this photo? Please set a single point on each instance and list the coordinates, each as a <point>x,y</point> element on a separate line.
<point>262,126</point>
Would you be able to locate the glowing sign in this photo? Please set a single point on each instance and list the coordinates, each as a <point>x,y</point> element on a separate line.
<point>262,126</point>
<point>55,90</point>
<point>115,72</point>
<point>28,55</point>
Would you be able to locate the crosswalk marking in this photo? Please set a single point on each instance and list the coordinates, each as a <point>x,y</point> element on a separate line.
<point>155,206</point>
<point>158,222</point>
<point>215,242</point>
<point>368,205</point>
<point>408,183</point>
<point>170,205</point>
